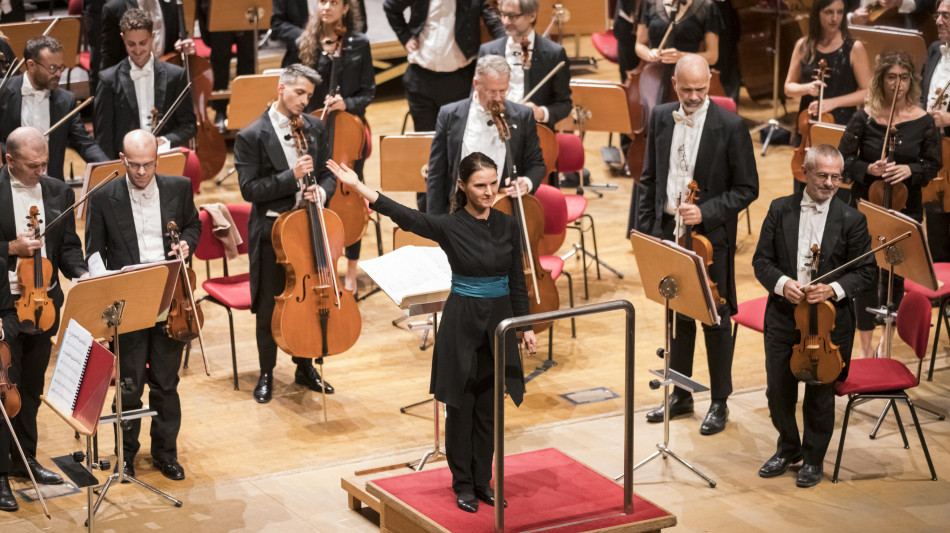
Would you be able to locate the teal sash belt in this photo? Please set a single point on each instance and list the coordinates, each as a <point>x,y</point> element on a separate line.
<point>480,287</point>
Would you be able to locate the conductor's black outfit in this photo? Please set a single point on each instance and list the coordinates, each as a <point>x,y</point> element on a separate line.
<point>463,358</point>
<point>845,237</point>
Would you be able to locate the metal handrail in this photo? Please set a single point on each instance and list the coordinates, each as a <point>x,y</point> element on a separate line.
<point>527,320</point>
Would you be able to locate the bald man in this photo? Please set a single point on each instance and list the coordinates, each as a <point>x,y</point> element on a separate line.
<point>695,139</point>
<point>126,225</point>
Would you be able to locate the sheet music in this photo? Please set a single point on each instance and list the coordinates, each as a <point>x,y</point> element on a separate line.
<point>70,366</point>
<point>410,270</point>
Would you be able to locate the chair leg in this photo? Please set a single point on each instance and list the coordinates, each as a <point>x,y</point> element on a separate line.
<point>593,234</point>
<point>880,420</point>
<point>748,221</point>
<point>379,236</point>
<point>844,431</point>
<point>583,256</point>
<point>735,331</point>
<point>942,319</point>
<point>233,349</point>
<point>570,299</point>
<point>551,342</point>
<point>405,121</point>
<point>900,425</point>
<point>187,354</point>
<point>920,435</point>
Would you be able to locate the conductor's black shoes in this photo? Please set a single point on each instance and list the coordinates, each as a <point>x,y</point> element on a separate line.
<point>466,501</point>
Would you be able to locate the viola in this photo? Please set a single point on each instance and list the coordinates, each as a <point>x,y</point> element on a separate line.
<point>882,193</point>
<point>696,242</point>
<point>527,210</point>
<point>815,359</point>
<point>34,307</point>
<point>308,242</point>
<point>185,318</point>
<point>9,395</point>
<point>804,124</point>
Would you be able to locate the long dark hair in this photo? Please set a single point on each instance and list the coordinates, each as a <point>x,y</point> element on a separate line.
<point>814,29</point>
<point>309,41</point>
<point>469,165</point>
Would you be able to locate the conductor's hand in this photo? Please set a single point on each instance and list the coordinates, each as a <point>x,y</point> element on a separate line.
<point>314,193</point>
<point>185,45</point>
<point>523,187</point>
<point>793,291</point>
<point>24,245</point>
<point>818,293</point>
<point>303,167</point>
<point>691,214</point>
<point>183,246</point>
<point>334,103</point>
<point>343,173</point>
<point>530,341</point>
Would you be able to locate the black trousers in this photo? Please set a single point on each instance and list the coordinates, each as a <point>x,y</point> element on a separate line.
<point>220,43</point>
<point>271,284</point>
<point>818,407</point>
<point>427,91</point>
<point>627,60</point>
<point>469,428</point>
<point>874,296</point>
<point>149,357</point>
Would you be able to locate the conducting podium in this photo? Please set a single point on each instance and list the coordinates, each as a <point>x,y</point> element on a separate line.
<point>676,278</point>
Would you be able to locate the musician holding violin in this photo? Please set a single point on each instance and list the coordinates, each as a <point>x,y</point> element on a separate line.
<point>24,187</point>
<point>270,173</point>
<point>696,140</point>
<point>531,57</point>
<point>935,84</point>
<point>332,45</point>
<point>137,92</point>
<point>483,246</point>
<point>794,225</point>
<point>127,224</point>
<point>666,30</point>
<point>891,150</point>
<point>9,328</point>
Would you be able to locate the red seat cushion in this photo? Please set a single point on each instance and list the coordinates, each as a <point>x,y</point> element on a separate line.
<point>576,205</point>
<point>752,314</point>
<point>570,153</point>
<point>877,374</point>
<point>232,291</point>
<point>606,45</point>
<point>942,270</point>
<point>553,263</point>
<point>84,60</point>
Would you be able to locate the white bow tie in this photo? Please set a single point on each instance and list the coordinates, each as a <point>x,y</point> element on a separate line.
<point>145,195</point>
<point>137,73</point>
<point>681,118</point>
<point>36,94</point>
<point>808,203</point>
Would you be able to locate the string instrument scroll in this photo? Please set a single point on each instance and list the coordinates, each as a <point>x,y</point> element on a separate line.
<point>804,123</point>
<point>815,359</point>
<point>184,316</point>
<point>881,192</point>
<point>691,240</point>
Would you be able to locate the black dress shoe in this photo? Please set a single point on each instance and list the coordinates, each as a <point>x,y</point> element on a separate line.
<point>7,500</point>
<point>678,406</point>
<point>128,468</point>
<point>487,495</point>
<point>310,378</point>
<point>170,468</point>
<point>715,419</point>
<point>466,501</point>
<point>264,388</point>
<point>42,475</point>
<point>777,465</point>
<point>809,475</point>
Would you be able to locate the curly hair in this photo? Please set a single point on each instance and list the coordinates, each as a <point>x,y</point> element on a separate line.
<point>885,62</point>
<point>309,41</point>
<point>135,19</point>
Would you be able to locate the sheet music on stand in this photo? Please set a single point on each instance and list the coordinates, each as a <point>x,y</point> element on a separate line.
<point>414,277</point>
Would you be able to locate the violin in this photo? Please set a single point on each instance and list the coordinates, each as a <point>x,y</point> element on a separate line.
<point>308,242</point>
<point>527,210</point>
<point>815,359</point>
<point>696,242</point>
<point>9,395</point>
<point>804,123</point>
<point>937,192</point>
<point>347,139</point>
<point>34,307</point>
<point>525,53</point>
<point>881,192</point>
<point>185,318</point>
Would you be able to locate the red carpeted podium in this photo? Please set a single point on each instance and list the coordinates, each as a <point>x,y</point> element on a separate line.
<point>545,489</point>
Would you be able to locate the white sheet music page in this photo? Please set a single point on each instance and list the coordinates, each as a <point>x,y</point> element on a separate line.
<point>410,270</point>
<point>70,366</point>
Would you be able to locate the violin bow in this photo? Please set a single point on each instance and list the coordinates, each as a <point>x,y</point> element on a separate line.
<point>171,110</point>
<point>893,241</point>
<point>69,115</point>
<point>890,119</point>
<point>541,83</point>
<point>79,202</point>
<point>29,471</point>
<point>679,13</point>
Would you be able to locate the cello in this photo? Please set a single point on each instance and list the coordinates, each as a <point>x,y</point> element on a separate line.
<point>815,359</point>
<point>804,124</point>
<point>185,318</point>
<point>881,192</point>
<point>34,307</point>
<point>526,209</point>
<point>347,137</point>
<point>308,242</point>
<point>691,240</point>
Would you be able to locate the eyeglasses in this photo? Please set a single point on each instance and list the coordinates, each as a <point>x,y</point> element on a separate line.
<point>52,69</point>
<point>135,167</point>
<point>825,177</point>
<point>509,16</point>
<point>941,15</point>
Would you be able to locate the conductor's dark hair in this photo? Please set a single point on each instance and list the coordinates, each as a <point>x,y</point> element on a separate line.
<point>135,19</point>
<point>469,165</point>
<point>35,46</point>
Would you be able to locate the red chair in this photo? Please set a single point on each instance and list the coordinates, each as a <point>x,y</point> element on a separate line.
<point>230,292</point>
<point>606,45</point>
<point>555,222</point>
<point>570,158</point>
<point>882,378</point>
<point>192,168</point>
<point>751,314</point>
<point>940,299</point>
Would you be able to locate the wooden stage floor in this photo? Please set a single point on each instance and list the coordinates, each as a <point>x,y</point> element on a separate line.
<point>277,467</point>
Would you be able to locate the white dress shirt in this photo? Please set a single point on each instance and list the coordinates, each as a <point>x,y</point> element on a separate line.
<point>153,10</point>
<point>438,50</point>
<point>482,137</point>
<point>940,77</point>
<point>147,215</point>
<point>516,83</point>
<point>34,106</point>
<point>687,132</point>
<point>25,197</point>
<point>144,81</point>
<point>281,125</point>
<point>811,228</point>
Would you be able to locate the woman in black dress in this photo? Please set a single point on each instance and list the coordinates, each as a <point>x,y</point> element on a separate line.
<point>915,160</point>
<point>488,285</point>
<point>700,24</point>
<point>352,71</point>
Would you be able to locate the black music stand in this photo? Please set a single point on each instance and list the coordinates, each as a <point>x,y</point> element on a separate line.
<point>677,278</point>
<point>241,15</point>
